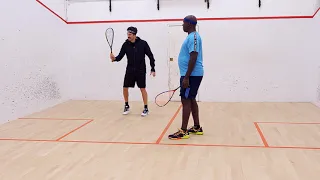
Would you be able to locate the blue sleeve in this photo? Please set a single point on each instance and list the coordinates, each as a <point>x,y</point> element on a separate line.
<point>193,43</point>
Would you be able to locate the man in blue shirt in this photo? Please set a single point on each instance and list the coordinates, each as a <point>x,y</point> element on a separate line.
<point>191,72</point>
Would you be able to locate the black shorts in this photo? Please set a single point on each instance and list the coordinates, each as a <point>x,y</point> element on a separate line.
<point>130,79</point>
<point>194,84</point>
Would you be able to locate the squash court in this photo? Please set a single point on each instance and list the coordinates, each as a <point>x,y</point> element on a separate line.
<point>61,91</point>
<point>84,140</point>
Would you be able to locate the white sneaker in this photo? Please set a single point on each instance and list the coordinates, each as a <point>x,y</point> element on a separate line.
<point>145,112</point>
<point>126,110</point>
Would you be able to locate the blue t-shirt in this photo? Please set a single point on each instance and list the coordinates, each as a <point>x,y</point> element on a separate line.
<point>193,42</point>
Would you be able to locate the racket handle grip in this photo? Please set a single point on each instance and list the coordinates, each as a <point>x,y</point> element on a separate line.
<point>186,94</point>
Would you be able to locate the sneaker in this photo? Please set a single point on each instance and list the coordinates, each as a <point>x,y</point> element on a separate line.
<point>180,134</point>
<point>145,112</point>
<point>194,130</point>
<point>126,110</point>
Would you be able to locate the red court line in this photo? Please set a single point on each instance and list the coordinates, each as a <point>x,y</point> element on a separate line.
<point>162,144</point>
<point>61,119</point>
<point>316,12</point>
<point>180,19</point>
<point>291,147</point>
<point>105,142</point>
<point>74,130</point>
<point>213,145</point>
<point>243,146</point>
<point>57,119</point>
<point>168,125</point>
<point>199,19</point>
<point>295,147</point>
<point>51,11</point>
<point>261,135</point>
<point>288,122</point>
<point>74,141</point>
<point>26,140</point>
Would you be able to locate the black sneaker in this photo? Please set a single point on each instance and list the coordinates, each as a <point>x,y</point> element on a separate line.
<point>180,134</point>
<point>194,130</point>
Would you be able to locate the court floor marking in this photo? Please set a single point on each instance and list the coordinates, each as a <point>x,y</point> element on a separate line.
<point>261,135</point>
<point>288,122</point>
<point>284,147</point>
<point>63,119</point>
<point>161,144</point>
<point>54,119</point>
<point>75,129</point>
<point>158,142</point>
<point>168,125</point>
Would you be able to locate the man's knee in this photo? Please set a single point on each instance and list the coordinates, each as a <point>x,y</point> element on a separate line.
<point>141,85</point>
<point>185,101</point>
<point>194,102</point>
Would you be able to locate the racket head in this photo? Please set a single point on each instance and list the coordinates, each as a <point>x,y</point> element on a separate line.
<point>109,33</point>
<point>164,98</point>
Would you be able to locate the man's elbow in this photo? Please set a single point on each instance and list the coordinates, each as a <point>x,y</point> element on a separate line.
<point>193,56</point>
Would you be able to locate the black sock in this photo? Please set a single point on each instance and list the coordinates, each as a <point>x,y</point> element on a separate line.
<point>127,104</point>
<point>184,130</point>
<point>197,126</point>
<point>145,106</point>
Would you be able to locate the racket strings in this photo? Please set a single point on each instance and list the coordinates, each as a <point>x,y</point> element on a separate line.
<point>109,36</point>
<point>163,98</point>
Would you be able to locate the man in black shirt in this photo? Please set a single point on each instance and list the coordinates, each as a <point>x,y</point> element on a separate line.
<point>135,49</point>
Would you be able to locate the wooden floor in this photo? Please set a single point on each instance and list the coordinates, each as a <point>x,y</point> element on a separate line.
<point>92,140</point>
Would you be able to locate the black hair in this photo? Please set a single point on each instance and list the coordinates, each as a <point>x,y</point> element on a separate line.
<point>132,30</point>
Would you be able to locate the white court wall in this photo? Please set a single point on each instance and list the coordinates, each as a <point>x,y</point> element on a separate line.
<point>87,10</point>
<point>244,60</point>
<point>33,51</point>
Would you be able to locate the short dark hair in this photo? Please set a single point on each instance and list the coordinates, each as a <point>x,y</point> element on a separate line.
<point>132,30</point>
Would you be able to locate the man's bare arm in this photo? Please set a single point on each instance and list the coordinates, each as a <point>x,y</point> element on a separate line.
<point>192,63</point>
